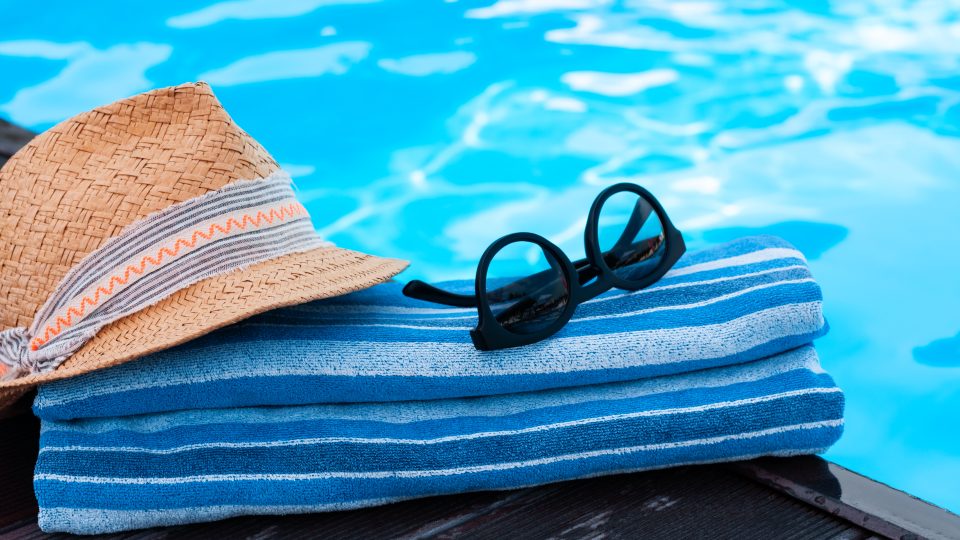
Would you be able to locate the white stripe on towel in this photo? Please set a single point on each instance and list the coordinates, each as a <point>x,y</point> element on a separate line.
<point>766,254</point>
<point>675,307</point>
<point>403,412</point>
<point>51,519</point>
<point>68,478</point>
<point>451,438</point>
<point>409,359</point>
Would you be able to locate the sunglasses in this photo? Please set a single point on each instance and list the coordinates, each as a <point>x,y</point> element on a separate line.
<point>630,244</point>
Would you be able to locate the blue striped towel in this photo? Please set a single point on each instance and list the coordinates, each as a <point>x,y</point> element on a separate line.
<point>110,474</point>
<point>735,303</point>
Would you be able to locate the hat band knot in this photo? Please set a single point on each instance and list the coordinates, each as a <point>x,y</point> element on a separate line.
<point>13,352</point>
<point>241,224</point>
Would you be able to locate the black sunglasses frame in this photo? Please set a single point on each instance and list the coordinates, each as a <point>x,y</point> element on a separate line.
<point>586,278</point>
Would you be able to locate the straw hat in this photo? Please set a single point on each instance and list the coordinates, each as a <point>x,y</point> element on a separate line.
<point>74,187</point>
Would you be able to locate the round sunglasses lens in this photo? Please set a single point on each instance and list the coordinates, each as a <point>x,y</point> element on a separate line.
<point>630,236</point>
<point>526,288</point>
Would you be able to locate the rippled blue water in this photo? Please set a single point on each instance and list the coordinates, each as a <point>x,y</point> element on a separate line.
<point>426,130</point>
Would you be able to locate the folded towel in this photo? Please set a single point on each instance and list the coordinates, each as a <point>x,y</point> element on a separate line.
<point>735,303</point>
<point>105,475</point>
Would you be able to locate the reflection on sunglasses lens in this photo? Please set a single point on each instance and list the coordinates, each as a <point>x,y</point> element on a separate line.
<point>630,236</point>
<point>526,288</point>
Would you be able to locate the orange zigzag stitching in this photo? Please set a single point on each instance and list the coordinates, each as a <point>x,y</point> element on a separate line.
<point>290,210</point>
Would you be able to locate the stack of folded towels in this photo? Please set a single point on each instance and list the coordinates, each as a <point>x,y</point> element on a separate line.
<point>371,398</point>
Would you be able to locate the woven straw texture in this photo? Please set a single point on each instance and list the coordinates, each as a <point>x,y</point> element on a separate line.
<point>73,187</point>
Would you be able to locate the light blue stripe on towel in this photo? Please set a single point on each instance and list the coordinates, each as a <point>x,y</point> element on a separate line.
<point>735,303</point>
<point>109,474</point>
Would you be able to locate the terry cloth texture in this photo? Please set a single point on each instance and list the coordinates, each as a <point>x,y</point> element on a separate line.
<point>736,303</point>
<point>111,474</point>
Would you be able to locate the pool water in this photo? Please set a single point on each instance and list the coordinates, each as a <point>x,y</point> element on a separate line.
<point>425,130</point>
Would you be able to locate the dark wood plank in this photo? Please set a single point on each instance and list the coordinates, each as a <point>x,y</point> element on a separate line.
<point>11,139</point>
<point>851,496</point>
<point>684,502</point>
<point>19,441</point>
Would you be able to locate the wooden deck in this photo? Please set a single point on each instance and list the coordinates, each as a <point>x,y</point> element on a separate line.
<point>804,497</point>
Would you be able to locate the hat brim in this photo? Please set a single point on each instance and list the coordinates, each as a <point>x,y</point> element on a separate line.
<point>217,302</point>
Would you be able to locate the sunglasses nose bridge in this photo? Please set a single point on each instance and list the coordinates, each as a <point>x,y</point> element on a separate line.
<point>591,290</point>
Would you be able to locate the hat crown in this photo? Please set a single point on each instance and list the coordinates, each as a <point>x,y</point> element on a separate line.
<point>73,187</point>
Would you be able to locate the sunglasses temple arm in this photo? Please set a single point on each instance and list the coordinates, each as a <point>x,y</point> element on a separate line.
<point>424,291</point>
